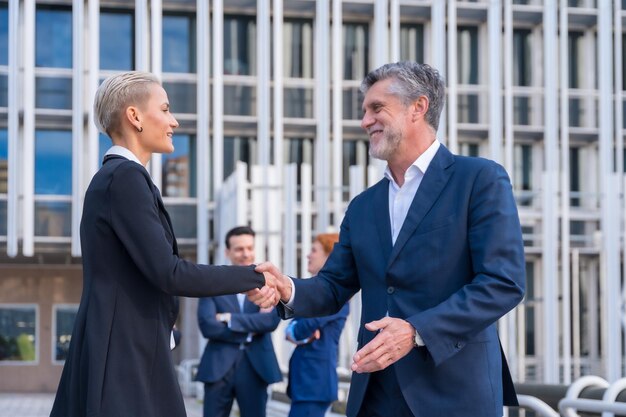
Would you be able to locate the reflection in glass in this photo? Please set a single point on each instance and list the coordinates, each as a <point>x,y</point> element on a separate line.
<point>179,43</point>
<point>53,162</point>
<point>53,93</point>
<point>104,143</point>
<point>355,50</point>
<point>298,48</point>
<point>179,168</point>
<point>298,102</point>
<point>4,34</point>
<point>4,161</point>
<point>117,42</point>
<point>239,100</point>
<point>65,317</point>
<point>522,62</point>
<point>183,220</point>
<point>575,68</point>
<point>3,217</point>
<point>574,176</point>
<point>182,96</point>
<point>238,149</point>
<point>239,45</point>
<point>352,101</point>
<point>412,42</point>
<point>53,37</point>
<point>53,218</point>
<point>18,334</point>
<point>467,57</point>
<point>522,174</point>
<point>4,91</point>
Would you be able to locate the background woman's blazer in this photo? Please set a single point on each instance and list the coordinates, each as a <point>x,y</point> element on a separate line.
<point>119,362</point>
<point>313,366</point>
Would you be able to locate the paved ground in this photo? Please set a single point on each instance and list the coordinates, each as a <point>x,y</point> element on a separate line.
<point>39,405</point>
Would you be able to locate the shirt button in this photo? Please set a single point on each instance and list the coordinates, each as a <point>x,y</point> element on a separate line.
<point>458,345</point>
<point>390,290</point>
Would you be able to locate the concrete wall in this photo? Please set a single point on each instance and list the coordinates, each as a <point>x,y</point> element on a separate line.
<point>45,286</point>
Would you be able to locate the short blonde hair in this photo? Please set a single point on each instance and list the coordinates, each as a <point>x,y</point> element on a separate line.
<point>327,240</point>
<point>118,92</point>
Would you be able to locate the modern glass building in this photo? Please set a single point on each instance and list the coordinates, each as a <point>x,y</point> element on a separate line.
<point>537,85</point>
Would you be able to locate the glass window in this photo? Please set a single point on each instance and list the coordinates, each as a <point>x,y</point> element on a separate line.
<point>182,96</point>
<point>183,218</point>
<point>576,65</point>
<point>117,40</point>
<point>179,43</point>
<point>53,37</point>
<point>239,45</point>
<point>4,179</point>
<point>64,318</point>
<point>239,100</point>
<point>238,149</point>
<point>522,64</point>
<point>53,93</point>
<point>18,333</point>
<point>298,48</point>
<point>298,102</point>
<point>53,162</point>
<point>530,302</point>
<point>574,176</point>
<point>4,90</point>
<point>522,174</point>
<point>179,168</point>
<point>104,143</point>
<point>412,42</point>
<point>467,56</point>
<point>355,51</point>
<point>4,34</point>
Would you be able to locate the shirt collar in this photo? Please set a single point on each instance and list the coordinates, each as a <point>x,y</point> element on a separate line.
<point>122,151</point>
<point>421,163</point>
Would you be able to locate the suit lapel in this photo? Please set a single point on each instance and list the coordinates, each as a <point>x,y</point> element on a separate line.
<point>381,213</point>
<point>433,183</point>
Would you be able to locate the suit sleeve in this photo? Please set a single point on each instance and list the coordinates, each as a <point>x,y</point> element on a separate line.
<point>134,217</point>
<point>497,257</point>
<point>254,322</point>
<point>213,329</point>
<point>304,328</point>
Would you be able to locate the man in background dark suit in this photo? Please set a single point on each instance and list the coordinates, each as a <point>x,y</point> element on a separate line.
<point>239,360</point>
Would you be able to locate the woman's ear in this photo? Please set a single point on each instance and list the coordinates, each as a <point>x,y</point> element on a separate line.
<point>133,115</point>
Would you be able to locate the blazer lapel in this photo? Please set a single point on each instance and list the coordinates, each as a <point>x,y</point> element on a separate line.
<point>433,183</point>
<point>381,213</point>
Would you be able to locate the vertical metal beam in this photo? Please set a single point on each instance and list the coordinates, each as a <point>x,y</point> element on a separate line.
<point>453,144</point>
<point>93,54</point>
<point>394,22</point>
<point>494,24</point>
<point>28,138</point>
<point>278,83</point>
<point>263,106</point>
<point>78,130</point>
<point>306,213</point>
<point>610,266</point>
<point>381,37</point>
<point>156,67</point>
<point>141,35</point>
<point>550,201</point>
<point>565,195</point>
<point>218,95</point>
<point>438,56</point>
<point>203,135</point>
<point>322,105</point>
<point>508,88</point>
<point>13,129</point>
<point>337,116</point>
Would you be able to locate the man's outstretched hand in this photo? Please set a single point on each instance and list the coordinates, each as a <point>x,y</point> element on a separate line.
<point>277,287</point>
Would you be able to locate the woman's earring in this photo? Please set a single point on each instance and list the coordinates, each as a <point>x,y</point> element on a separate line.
<point>140,129</point>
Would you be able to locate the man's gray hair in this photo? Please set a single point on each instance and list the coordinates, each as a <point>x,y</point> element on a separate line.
<point>118,92</point>
<point>412,80</point>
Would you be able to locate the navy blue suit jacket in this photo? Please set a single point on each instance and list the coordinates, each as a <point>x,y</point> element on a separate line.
<point>313,366</point>
<point>119,362</point>
<point>222,348</point>
<point>456,268</point>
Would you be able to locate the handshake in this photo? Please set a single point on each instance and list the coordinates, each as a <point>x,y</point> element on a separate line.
<point>277,287</point>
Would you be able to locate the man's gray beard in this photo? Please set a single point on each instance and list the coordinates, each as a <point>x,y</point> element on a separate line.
<point>387,147</point>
